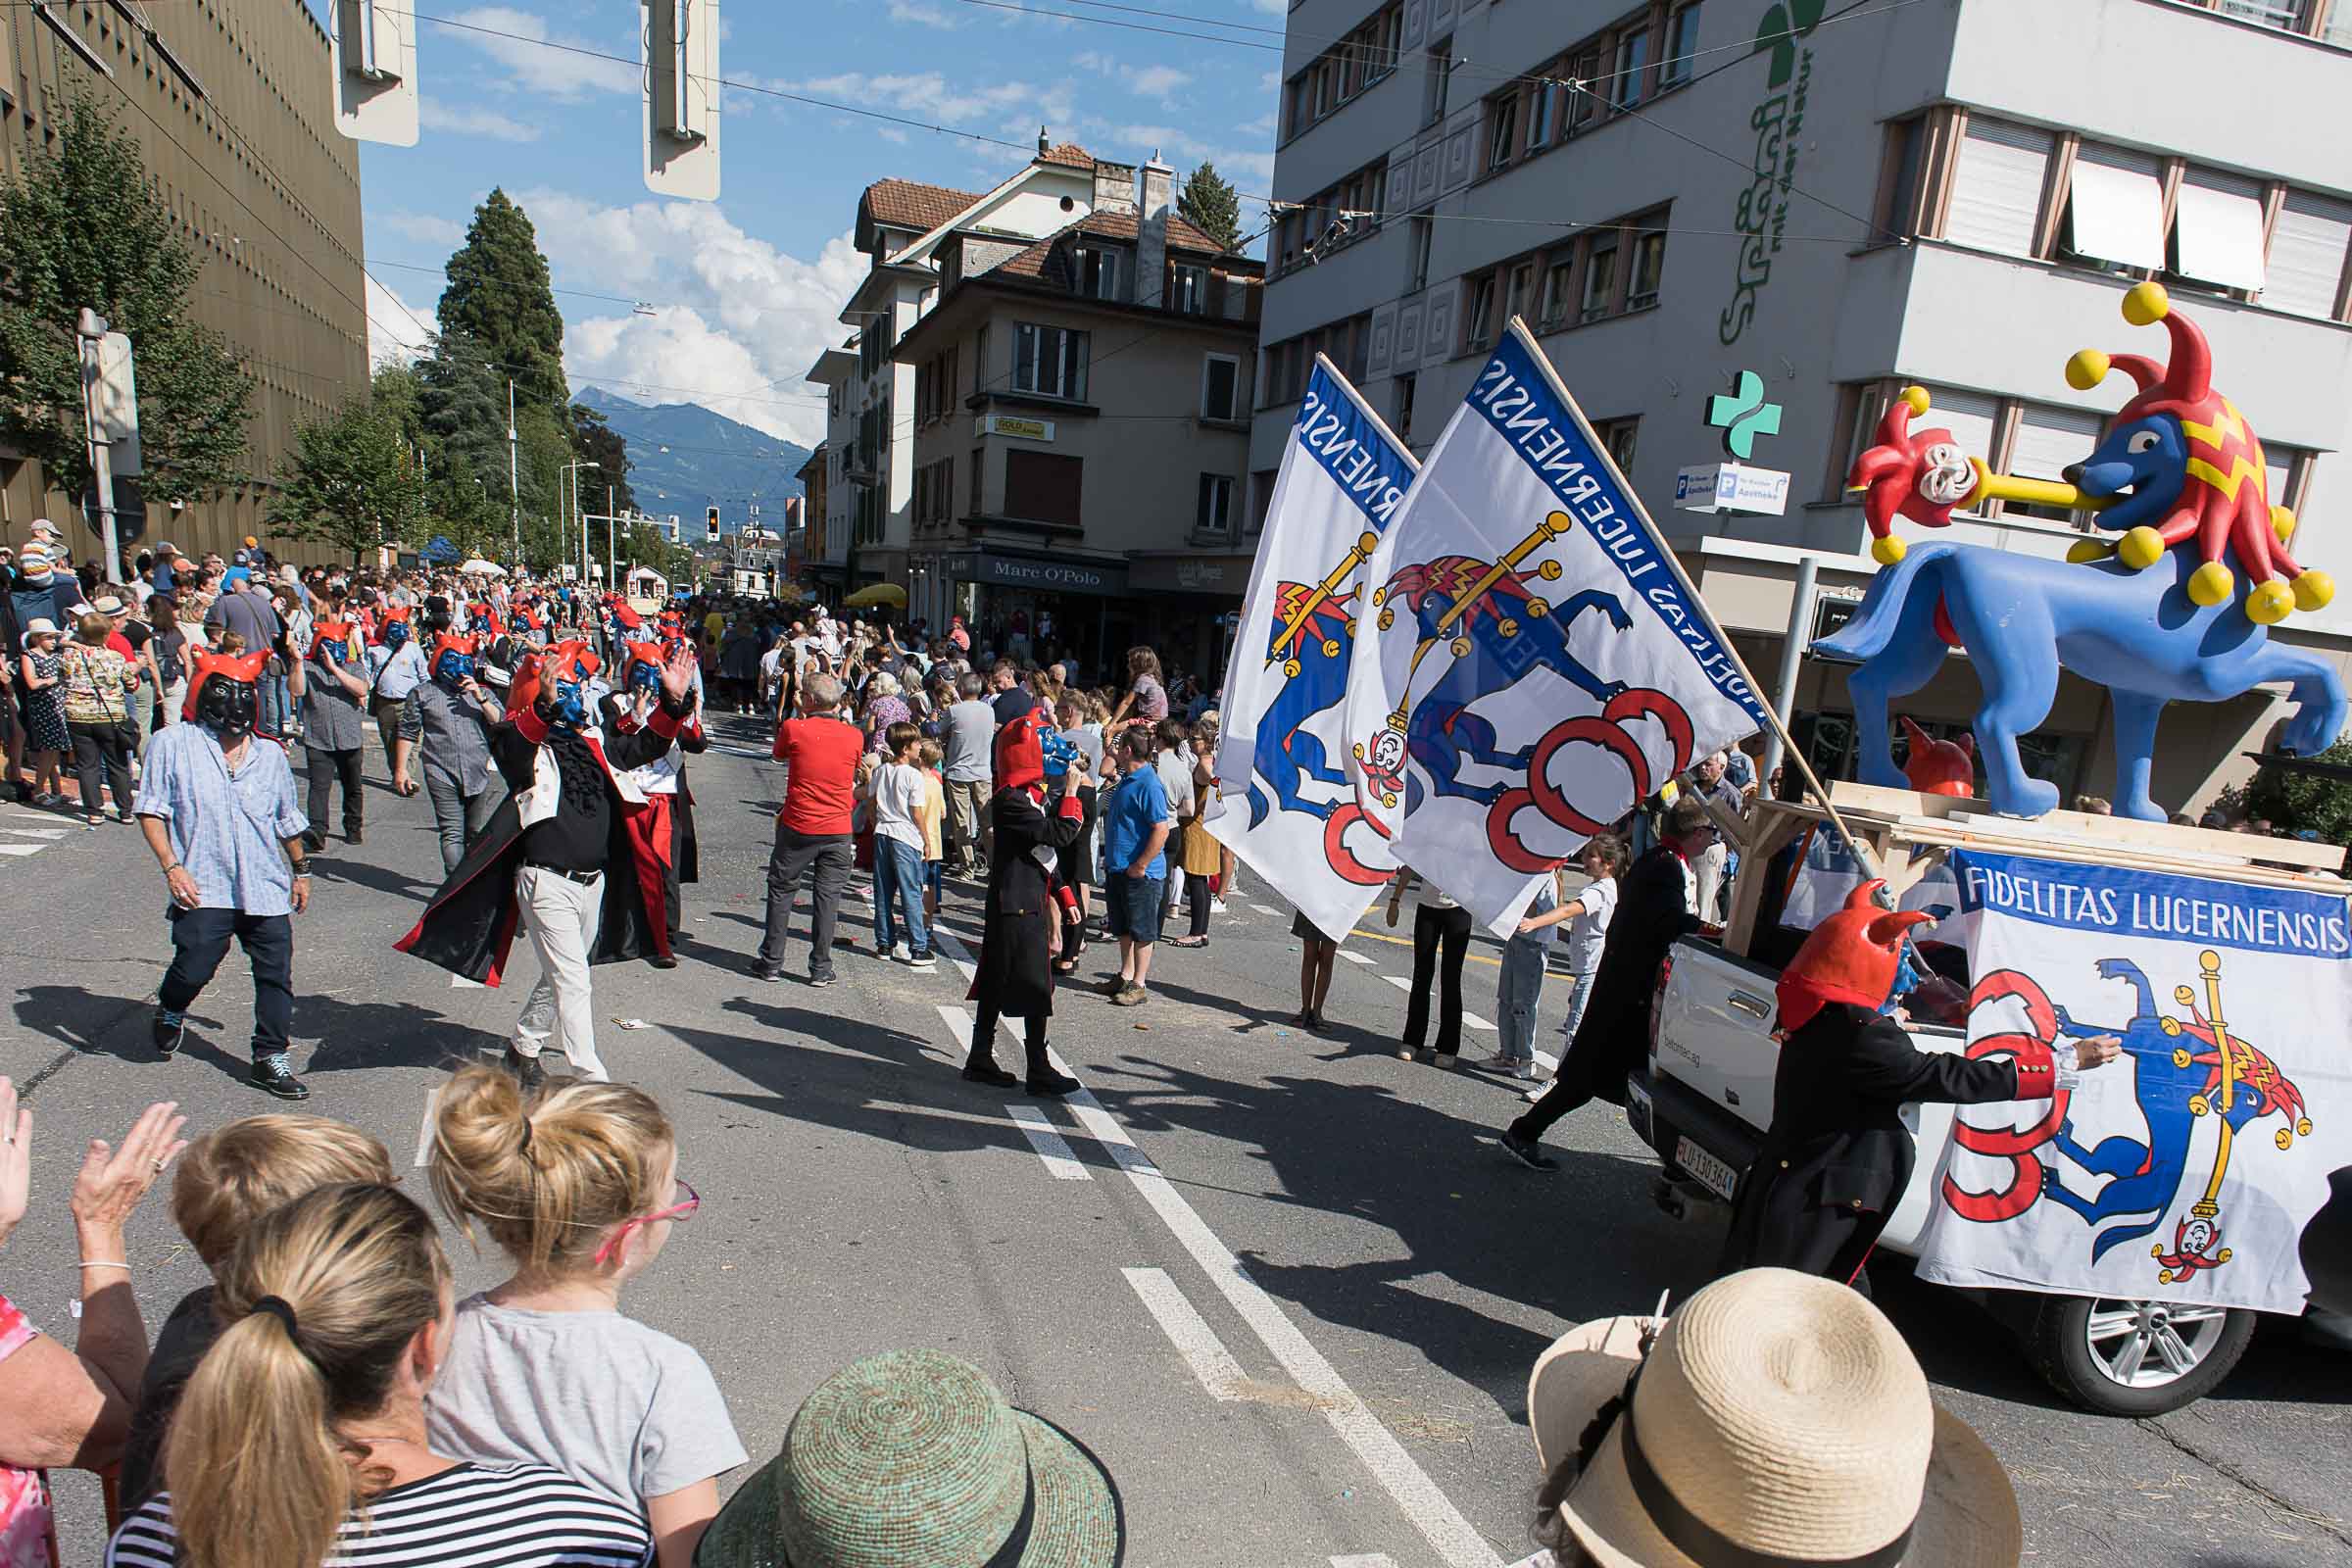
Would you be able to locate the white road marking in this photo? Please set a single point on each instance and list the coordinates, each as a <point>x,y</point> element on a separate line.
<point>959,956</point>
<point>1476,1022</point>
<point>424,1129</point>
<point>1356,957</point>
<point>458,982</point>
<point>36,832</point>
<point>1432,1512</point>
<point>1547,1063</point>
<point>1219,1373</point>
<point>1052,1147</point>
<point>22,850</point>
<point>1398,981</point>
<point>1265,909</point>
<point>1370,1559</point>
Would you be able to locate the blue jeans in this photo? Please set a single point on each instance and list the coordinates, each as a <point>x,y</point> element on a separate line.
<point>278,706</point>
<point>1134,905</point>
<point>1518,993</point>
<point>898,873</point>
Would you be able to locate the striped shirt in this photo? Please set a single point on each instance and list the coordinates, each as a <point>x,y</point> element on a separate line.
<point>469,1516</point>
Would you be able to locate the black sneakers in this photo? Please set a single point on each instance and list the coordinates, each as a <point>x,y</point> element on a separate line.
<point>771,973</point>
<point>988,1073</point>
<point>272,1076</point>
<point>1050,1085</point>
<point>1526,1151</point>
<point>168,1030</point>
<point>524,1070</point>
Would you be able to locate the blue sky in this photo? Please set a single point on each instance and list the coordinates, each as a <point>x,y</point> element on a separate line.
<point>745,291</point>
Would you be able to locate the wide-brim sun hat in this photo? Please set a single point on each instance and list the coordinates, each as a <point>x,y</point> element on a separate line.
<point>913,1460</point>
<point>1775,1415</point>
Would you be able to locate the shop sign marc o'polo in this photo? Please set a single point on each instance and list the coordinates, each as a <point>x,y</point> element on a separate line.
<point>1038,574</point>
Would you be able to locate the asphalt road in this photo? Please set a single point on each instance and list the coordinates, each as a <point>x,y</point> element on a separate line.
<point>1282,1285</point>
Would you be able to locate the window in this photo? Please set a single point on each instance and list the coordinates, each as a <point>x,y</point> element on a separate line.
<point>1600,279</point>
<point>1503,129</point>
<point>2308,246</point>
<point>972,503</point>
<point>2217,231</point>
<point>1995,202</point>
<point>1544,107</point>
<point>2047,440</point>
<point>2114,209</point>
<point>1220,384</point>
<point>2279,474</point>
<point>1650,264</point>
<point>1261,498</point>
<point>1556,278</point>
<point>1098,274</point>
<point>1897,213</point>
<point>1516,299</point>
<point>1214,513</point>
<point>1041,486</point>
<point>1404,405</point>
<point>1190,297</point>
<point>1617,439</point>
<point>1416,276</point>
<point>1633,65</point>
<point>1584,104</point>
<point>980,362</point>
<point>1441,80</point>
<point>1050,360</point>
<point>1479,330</point>
<point>2284,15</point>
<point>1682,43</point>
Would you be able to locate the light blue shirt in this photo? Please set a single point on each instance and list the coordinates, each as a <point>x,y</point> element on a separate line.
<point>229,829</point>
<point>401,673</point>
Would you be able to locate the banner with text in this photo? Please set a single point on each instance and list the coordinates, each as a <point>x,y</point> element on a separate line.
<point>1343,478</point>
<point>1534,662</point>
<point>2187,1169</point>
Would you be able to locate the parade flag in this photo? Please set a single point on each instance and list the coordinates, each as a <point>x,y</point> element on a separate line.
<point>1287,808</point>
<point>2186,1170</point>
<point>1531,662</point>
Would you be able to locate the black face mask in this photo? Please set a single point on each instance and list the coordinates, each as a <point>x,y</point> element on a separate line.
<point>228,708</point>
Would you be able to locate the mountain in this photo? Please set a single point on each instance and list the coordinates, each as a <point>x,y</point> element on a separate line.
<point>712,461</point>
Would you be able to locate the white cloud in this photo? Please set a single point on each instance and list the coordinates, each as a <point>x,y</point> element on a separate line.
<point>469,121</point>
<point>735,319</point>
<point>425,228</point>
<point>519,39</point>
<point>926,15</point>
<point>1157,82</point>
<point>397,329</point>
<point>1245,168</point>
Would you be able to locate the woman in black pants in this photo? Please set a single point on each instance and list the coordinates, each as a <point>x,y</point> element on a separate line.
<point>98,687</point>
<point>1440,942</point>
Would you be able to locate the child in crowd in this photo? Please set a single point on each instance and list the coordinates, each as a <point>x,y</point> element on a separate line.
<point>932,817</point>
<point>228,1180</point>
<point>1317,954</point>
<point>579,1188</point>
<point>895,791</point>
<point>1603,858</point>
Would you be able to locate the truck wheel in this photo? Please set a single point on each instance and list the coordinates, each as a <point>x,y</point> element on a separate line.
<point>2133,1359</point>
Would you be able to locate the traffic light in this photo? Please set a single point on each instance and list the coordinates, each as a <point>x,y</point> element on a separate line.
<point>681,42</point>
<point>714,525</point>
<point>373,56</point>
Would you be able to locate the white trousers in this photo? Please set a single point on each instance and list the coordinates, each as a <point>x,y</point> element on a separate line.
<point>1707,868</point>
<point>561,917</point>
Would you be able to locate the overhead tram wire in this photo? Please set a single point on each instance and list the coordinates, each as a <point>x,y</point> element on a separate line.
<point>576,293</point>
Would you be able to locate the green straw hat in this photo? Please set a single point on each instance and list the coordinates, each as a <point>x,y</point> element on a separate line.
<point>913,1460</point>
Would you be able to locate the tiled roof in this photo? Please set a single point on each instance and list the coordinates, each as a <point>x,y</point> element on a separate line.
<point>1069,153</point>
<point>906,204</point>
<point>1045,261</point>
<point>1182,235</point>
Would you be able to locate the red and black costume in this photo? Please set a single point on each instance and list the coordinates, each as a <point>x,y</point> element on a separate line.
<point>1837,1158</point>
<point>663,833</point>
<point>1026,893</point>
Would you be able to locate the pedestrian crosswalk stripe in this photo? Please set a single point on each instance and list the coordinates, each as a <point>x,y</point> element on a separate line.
<point>1398,981</point>
<point>1372,1559</point>
<point>459,982</point>
<point>1219,1373</point>
<point>22,850</point>
<point>1050,1145</point>
<point>1476,1022</point>
<point>37,832</point>
<point>1356,958</point>
<point>1265,909</point>
<point>424,1130</point>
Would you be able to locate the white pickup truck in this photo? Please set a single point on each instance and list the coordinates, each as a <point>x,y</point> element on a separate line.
<point>1703,1098</point>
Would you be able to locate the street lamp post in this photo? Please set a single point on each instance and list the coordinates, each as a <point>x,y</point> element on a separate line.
<point>513,474</point>
<point>571,473</point>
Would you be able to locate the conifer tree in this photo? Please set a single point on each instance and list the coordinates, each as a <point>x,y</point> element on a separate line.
<point>1210,204</point>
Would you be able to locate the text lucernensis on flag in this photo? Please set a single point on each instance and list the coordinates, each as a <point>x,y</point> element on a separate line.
<point>1287,806</point>
<point>1531,664</point>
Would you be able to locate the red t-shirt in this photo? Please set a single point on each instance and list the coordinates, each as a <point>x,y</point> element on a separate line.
<point>823,755</point>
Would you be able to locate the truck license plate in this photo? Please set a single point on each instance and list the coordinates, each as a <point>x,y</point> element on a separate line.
<point>1711,1173</point>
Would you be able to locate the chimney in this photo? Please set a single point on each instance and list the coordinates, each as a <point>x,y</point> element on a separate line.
<point>1114,188</point>
<point>1042,146</point>
<point>1158,185</point>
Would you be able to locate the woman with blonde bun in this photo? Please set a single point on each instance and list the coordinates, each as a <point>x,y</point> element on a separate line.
<point>301,1435</point>
<point>579,1187</point>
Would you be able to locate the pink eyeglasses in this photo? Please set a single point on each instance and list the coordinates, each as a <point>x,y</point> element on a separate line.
<point>685,1200</point>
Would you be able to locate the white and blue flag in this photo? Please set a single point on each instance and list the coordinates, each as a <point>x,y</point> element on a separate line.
<point>1287,808</point>
<point>1531,662</point>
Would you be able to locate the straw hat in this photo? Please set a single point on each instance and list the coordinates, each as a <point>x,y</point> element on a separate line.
<point>913,1460</point>
<point>1777,1415</point>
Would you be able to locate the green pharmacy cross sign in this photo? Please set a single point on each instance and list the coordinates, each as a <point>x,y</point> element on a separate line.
<point>1744,415</point>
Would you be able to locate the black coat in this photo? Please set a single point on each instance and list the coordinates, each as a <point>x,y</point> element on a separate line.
<point>1653,913</point>
<point>468,925</point>
<point>1015,972</point>
<point>1837,1156</point>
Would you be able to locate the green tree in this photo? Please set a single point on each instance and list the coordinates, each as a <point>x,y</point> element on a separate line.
<point>595,441</point>
<point>349,483</point>
<point>500,298</point>
<point>2298,801</point>
<point>83,225</point>
<point>395,392</point>
<point>1209,203</point>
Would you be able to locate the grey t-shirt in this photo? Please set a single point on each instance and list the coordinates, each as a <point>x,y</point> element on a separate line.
<point>972,728</point>
<point>616,1406</point>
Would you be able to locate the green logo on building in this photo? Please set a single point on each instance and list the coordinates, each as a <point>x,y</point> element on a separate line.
<point>1744,415</point>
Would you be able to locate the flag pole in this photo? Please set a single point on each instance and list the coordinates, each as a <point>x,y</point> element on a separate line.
<point>1794,752</point>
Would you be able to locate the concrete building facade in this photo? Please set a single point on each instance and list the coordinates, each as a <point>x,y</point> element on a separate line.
<point>1844,201</point>
<point>232,105</point>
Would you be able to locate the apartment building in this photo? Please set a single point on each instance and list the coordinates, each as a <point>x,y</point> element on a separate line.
<point>1080,432</point>
<point>1843,200</point>
<point>232,105</point>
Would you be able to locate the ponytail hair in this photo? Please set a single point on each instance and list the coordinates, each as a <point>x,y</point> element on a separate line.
<point>319,1303</point>
<point>546,1177</point>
